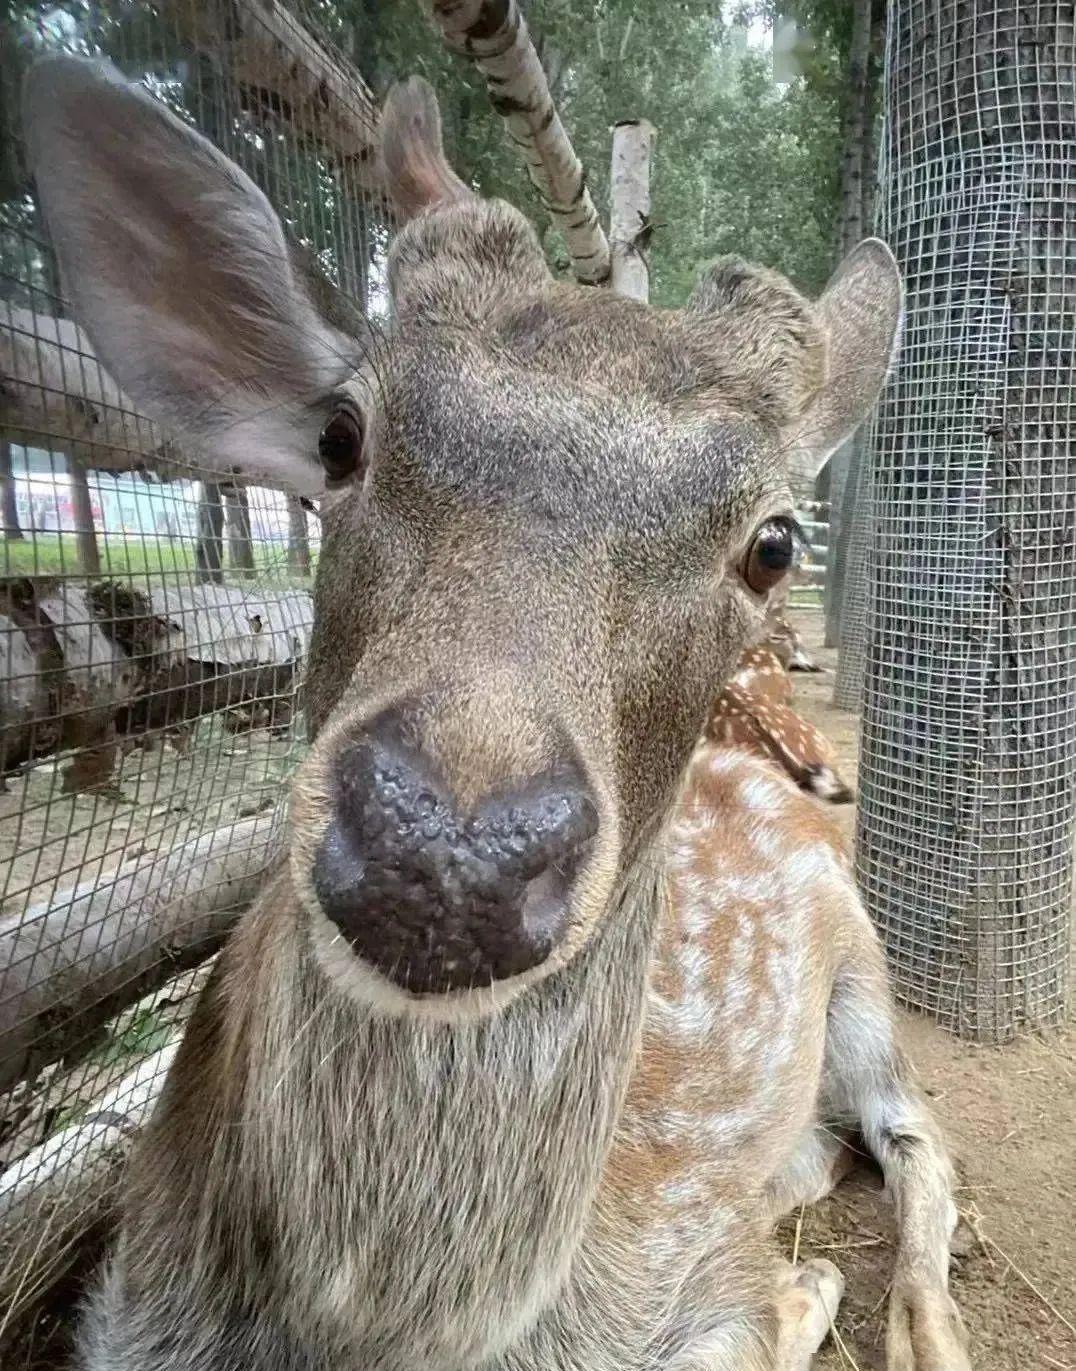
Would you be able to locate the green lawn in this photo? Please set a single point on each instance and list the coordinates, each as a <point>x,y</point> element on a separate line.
<point>51,554</point>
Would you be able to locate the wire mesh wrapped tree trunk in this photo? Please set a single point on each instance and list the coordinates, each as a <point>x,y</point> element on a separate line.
<point>968,771</point>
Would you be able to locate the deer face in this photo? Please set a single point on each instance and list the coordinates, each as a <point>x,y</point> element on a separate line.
<point>552,517</point>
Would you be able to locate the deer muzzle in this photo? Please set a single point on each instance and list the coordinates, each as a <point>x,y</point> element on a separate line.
<point>436,899</point>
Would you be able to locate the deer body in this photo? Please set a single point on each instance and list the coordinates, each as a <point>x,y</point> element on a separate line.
<point>525,1045</point>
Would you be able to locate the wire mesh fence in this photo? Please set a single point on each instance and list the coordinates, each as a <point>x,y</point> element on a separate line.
<point>153,621</point>
<point>968,768</point>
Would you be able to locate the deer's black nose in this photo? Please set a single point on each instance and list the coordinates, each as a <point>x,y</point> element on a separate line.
<point>437,899</point>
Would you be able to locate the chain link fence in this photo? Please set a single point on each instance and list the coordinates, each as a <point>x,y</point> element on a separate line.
<point>153,623</point>
<point>968,766</point>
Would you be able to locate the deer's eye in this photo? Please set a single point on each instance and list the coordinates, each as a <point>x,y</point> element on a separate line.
<point>771,554</point>
<point>340,445</point>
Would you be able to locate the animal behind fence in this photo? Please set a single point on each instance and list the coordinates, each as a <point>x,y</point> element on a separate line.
<point>416,1119</point>
<point>754,711</point>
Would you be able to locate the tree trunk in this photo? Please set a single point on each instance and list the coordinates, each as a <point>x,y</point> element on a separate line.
<point>858,172</point>
<point>89,556</point>
<point>833,594</point>
<point>298,539</point>
<point>853,123</point>
<point>871,129</point>
<point>496,39</point>
<point>8,504</point>
<point>629,220</point>
<point>209,551</point>
<point>240,540</point>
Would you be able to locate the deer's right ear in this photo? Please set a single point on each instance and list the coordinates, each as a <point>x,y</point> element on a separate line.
<point>860,313</point>
<point>177,267</point>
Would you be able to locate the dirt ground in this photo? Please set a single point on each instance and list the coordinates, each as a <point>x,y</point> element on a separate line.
<point>1009,1115</point>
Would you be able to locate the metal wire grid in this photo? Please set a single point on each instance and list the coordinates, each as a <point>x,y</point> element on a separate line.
<point>968,765</point>
<point>152,629</point>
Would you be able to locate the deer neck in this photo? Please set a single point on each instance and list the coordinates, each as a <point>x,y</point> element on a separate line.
<point>456,1163</point>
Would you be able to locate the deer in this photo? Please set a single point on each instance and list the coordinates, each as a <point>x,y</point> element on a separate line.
<point>501,1069</point>
<point>755,712</point>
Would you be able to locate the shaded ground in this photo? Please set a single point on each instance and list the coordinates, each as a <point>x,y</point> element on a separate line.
<point>1009,1114</point>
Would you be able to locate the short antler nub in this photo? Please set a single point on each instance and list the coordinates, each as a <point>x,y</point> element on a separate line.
<point>417,173</point>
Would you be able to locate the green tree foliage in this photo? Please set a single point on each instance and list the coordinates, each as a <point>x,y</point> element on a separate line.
<point>742,164</point>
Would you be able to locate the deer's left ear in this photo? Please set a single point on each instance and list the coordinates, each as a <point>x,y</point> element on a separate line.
<point>455,254</point>
<point>860,315</point>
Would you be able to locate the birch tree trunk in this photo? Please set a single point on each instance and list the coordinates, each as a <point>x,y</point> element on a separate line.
<point>493,34</point>
<point>629,220</point>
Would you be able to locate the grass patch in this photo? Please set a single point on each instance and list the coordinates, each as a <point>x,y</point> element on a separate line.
<point>53,554</point>
<point>146,1032</point>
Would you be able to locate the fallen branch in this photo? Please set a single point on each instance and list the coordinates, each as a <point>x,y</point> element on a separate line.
<point>494,35</point>
<point>68,966</point>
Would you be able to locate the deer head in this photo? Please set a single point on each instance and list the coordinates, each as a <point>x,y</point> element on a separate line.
<point>551,516</point>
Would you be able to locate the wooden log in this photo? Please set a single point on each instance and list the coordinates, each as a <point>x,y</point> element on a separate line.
<point>494,35</point>
<point>59,1191</point>
<point>285,73</point>
<point>629,220</point>
<point>71,964</point>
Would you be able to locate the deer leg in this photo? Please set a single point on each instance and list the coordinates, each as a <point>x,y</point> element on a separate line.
<point>782,1332</point>
<point>808,1296</point>
<point>867,1081</point>
<point>822,1159</point>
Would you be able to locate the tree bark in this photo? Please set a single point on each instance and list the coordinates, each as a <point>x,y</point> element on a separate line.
<point>858,173</point>
<point>89,556</point>
<point>298,539</point>
<point>209,550</point>
<point>8,504</point>
<point>493,34</point>
<point>629,220</point>
<point>853,123</point>
<point>240,539</point>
